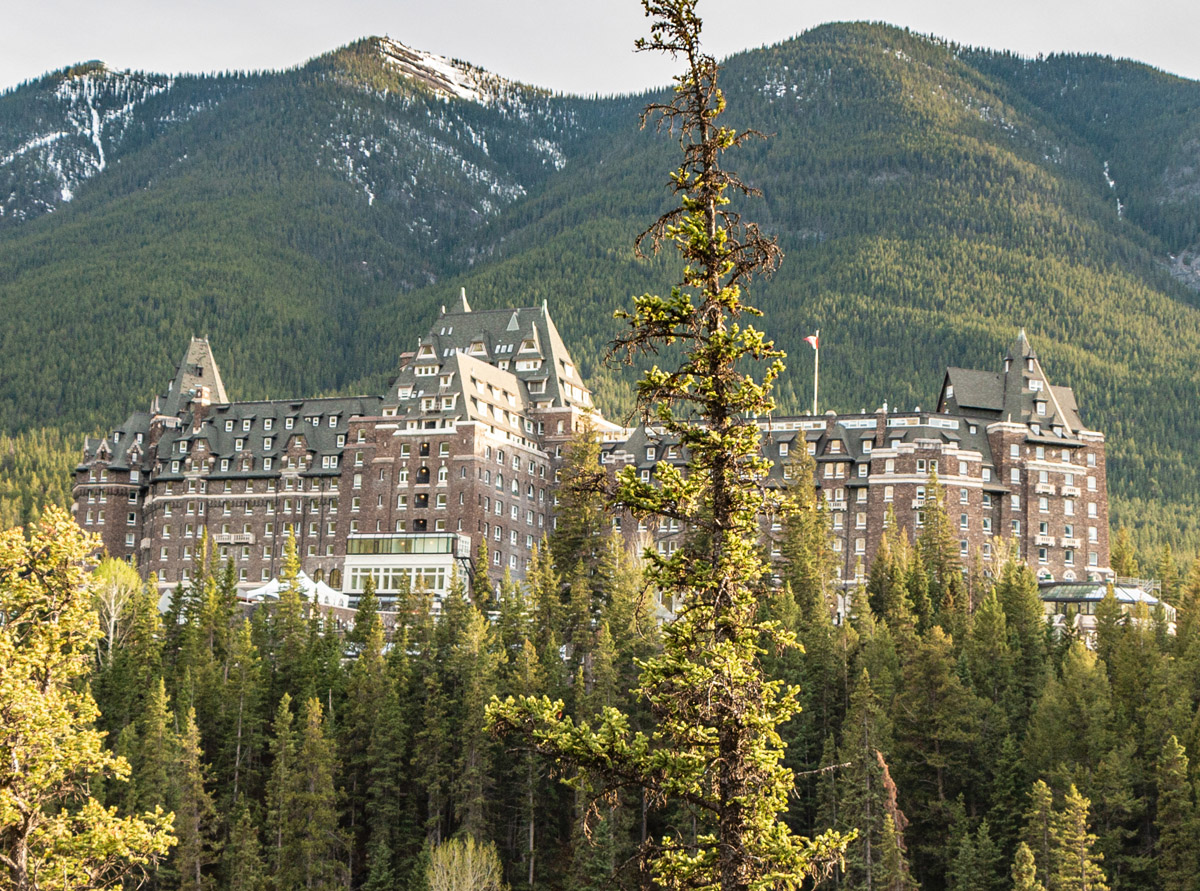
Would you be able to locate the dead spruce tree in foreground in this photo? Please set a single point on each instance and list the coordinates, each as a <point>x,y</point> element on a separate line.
<point>715,751</point>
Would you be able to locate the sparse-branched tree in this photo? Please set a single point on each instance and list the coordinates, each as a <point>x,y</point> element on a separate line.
<point>715,753</point>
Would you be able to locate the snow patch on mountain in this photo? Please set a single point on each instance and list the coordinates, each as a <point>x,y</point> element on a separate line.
<point>82,119</point>
<point>444,76</point>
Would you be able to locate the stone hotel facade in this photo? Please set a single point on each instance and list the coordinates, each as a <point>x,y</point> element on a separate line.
<point>466,444</point>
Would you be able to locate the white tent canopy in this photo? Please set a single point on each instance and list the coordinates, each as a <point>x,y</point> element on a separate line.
<point>316,592</point>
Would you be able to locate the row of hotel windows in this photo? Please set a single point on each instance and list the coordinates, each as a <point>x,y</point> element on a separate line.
<point>834,447</point>
<point>860,548</point>
<point>287,506</point>
<point>247,464</point>
<point>241,552</point>
<point>100,475</point>
<point>288,423</point>
<point>247,486</point>
<point>182,446</point>
<point>191,531</point>
<point>838,496</point>
<point>839,470</point>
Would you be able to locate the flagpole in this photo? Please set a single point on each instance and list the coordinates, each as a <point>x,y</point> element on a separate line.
<point>816,368</point>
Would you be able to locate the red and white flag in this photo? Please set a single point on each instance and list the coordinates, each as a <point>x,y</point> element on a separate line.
<point>812,341</point>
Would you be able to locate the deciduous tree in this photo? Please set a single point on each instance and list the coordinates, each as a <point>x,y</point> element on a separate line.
<point>54,836</point>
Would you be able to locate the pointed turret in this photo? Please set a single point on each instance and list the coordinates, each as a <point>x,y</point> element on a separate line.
<point>196,374</point>
<point>1021,348</point>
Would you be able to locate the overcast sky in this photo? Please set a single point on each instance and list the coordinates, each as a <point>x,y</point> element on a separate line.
<point>567,45</point>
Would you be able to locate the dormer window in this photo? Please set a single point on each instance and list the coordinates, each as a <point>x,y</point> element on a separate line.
<point>268,423</point>
<point>229,425</point>
<point>1035,385</point>
<point>528,345</point>
<point>1029,363</point>
<point>245,425</point>
<point>288,423</point>
<point>1041,408</point>
<point>477,348</point>
<point>426,351</point>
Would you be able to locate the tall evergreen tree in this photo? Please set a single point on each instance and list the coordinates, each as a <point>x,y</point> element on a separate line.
<point>281,801</point>
<point>1076,863</point>
<point>716,749</point>
<point>195,814</point>
<point>242,862</point>
<point>320,848</point>
<point>1177,865</point>
<point>1024,871</point>
<point>1122,557</point>
<point>1038,835</point>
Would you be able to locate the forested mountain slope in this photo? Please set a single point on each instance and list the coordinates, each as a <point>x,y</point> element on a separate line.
<point>930,200</point>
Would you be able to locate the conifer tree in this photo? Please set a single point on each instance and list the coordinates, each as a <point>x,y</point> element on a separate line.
<point>808,561</point>
<point>887,581</point>
<point>1008,794</point>
<point>525,680</point>
<point>388,810</point>
<point>242,861</point>
<point>1187,629</point>
<point>716,749</point>
<point>289,628</point>
<point>1072,725</point>
<point>1166,572</point>
<point>863,791</point>
<point>1076,864</point>
<point>473,669</point>
<point>243,718</point>
<point>581,516</point>
<point>281,800</point>
<point>154,763</point>
<point>1176,861</point>
<point>894,874</point>
<point>1024,871</point>
<point>321,848</point>
<point>481,582</point>
<point>938,551</point>
<point>136,665</point>
<point>1122,556</point>
<point>937,732</point>
<point>1038,835</point>
<point>195,814</point>
<point>366,692</point>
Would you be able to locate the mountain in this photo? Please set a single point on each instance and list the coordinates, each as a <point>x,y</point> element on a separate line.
<point>930,199</point>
